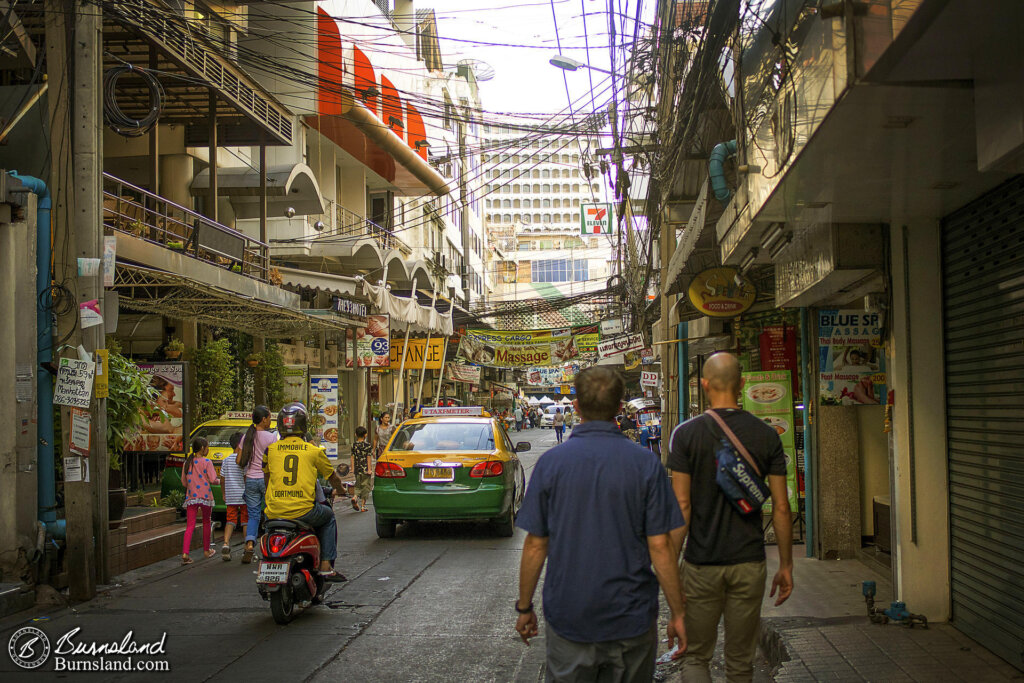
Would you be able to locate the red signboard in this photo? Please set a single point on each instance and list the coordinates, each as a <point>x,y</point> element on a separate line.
<point>778,351</point>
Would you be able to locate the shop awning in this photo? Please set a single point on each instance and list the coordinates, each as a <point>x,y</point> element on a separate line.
<point>154,291</point>
<point>408,310</point>
<point>291,186</point>
<point>325,282</point>
<point>696,248</point>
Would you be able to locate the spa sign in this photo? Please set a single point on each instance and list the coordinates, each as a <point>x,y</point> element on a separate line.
<point>715,292</point>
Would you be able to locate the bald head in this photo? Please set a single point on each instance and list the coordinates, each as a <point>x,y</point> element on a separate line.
<point>723,373</point>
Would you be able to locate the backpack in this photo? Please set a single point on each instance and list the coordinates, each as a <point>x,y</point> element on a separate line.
<point>737,475</point>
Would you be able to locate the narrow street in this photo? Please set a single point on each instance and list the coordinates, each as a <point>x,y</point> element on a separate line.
<point>432,604</point>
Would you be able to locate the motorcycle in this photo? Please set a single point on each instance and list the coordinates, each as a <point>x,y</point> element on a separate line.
<point>287,576</point>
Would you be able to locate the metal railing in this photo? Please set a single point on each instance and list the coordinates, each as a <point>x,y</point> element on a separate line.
<point>135,211</point>
<point>343,222</point>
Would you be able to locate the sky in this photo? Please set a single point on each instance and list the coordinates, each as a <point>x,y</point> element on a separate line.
<point>524,81</point>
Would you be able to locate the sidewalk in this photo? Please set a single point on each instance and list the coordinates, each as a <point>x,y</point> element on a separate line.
<point>822,633</point>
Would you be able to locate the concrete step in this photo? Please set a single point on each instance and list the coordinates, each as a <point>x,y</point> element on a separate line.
<point>152,545</point>
<point>143,499</point>
<point>14,598</point>
<point>143,518</point>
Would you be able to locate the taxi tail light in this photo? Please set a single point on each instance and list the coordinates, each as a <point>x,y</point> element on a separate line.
<point>489,468</point>
<point>388,470</point>
<point>277,542</point>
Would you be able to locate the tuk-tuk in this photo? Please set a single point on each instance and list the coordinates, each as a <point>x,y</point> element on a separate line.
<point>648,422</point>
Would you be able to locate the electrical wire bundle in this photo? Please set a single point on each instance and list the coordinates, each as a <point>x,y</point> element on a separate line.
<point>115,116</point>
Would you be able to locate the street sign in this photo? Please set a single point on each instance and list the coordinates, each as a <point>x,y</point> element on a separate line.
<point>596,219</point>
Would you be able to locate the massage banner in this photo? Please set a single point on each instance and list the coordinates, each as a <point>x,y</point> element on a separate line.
<point>526,348</point>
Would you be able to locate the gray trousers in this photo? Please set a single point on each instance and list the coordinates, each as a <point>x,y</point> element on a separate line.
<point>614,661</point>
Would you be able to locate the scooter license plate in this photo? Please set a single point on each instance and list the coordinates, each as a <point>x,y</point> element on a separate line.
<point>272,572</point>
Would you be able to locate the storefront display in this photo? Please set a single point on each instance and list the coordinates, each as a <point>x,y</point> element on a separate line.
<point>769,396</point>
<point>851,363</point>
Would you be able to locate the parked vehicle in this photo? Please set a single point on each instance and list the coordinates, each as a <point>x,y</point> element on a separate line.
<point>548,417</point>
<point>648,421</point>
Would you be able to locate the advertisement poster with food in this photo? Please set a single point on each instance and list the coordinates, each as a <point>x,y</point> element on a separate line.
<point>524,348</point>
<point>769,396</point>
<point>851,363</point>
<point>296,383</point>
<point>323,402</point>
<point>373,343</point>
<point>163,429</point>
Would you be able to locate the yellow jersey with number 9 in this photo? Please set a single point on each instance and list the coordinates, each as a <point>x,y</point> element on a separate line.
<point>293,465</point>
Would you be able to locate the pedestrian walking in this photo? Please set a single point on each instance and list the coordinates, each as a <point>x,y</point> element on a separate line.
<point>362,466</point>
<point>599,510</point>
<point>558,424</point>
<point>198,476</point>
<point>383,434</point>
<point>232,486</point>
<point>519,418</point>
<point>724,569</point>
<point>257,439</point>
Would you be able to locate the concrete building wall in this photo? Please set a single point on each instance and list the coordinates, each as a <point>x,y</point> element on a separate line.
<point>874,462</point>
<point>919,421</point>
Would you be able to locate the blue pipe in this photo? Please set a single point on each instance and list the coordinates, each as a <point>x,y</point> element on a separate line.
<point>808,397</point>
<point>46,475</point>
<point>721,152</point>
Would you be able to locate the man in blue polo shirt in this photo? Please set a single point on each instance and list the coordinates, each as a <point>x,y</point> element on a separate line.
<point>599,510</point>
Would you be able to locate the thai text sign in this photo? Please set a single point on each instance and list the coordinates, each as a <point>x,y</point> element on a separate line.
<point>414,357</point>
<point>74,383</point>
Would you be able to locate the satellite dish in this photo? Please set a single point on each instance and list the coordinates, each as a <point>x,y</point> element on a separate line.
<point>482,71</point>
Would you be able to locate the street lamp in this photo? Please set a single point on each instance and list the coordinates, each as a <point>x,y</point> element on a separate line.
<point>570,64</point>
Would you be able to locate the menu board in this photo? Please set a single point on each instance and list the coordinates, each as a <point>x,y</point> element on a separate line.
<point>769,396</point>
<point>323,393</point>
<point>777,345</point>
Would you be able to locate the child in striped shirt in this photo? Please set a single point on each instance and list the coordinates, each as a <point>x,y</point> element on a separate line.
<point>232,486</point>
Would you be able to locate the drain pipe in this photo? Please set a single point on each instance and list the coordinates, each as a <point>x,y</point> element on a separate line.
<point>46,474</point>
<point>721,152</point>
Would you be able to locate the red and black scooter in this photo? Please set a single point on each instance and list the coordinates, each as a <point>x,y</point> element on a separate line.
<point>287,574</point>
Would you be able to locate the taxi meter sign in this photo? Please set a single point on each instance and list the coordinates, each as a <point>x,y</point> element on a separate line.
<point>596,219</point>
<point>463,411</point>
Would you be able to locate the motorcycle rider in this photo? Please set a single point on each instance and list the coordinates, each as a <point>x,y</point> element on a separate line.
<point>292,465</point>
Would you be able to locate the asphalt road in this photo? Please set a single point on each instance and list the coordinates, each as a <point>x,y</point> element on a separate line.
<point>432,604</point>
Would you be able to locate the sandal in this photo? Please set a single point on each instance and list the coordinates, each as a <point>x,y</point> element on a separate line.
<point>185,559</point>
<point>333,577</point>
<point>363,509</point>
<point>355,505</point>
<point>209,553</point>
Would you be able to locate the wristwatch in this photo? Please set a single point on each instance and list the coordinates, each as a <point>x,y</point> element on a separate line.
<point>521,610</point>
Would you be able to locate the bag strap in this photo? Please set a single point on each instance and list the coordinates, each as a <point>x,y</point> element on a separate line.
<point>735,441</point>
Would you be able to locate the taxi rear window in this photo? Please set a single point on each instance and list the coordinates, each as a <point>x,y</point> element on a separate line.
<point>444,436</point>
<point>219,436</point>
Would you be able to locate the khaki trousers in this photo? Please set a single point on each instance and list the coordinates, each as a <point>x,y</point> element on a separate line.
<point>713,591</point>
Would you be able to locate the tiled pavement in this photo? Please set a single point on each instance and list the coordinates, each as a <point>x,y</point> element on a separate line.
<point>823,633</point>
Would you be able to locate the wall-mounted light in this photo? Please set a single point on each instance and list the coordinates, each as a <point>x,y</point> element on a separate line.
<point>748,260</point>
<point>771,235</point>
<point>779,245</point>
<point>370,92</point>
<point>289,212</point>
<point>421,143</point>
<point>395,121</point>
<point>319,226</point>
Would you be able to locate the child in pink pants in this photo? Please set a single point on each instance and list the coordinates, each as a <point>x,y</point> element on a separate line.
<point>198,476</point>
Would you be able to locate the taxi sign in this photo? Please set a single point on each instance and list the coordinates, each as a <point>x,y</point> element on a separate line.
<point>462,411</point>
<point>236,415</point>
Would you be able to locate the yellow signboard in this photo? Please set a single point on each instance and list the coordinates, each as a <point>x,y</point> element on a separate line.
<point>102,381</point>
<point>719,293</point>
<point>414,359</point>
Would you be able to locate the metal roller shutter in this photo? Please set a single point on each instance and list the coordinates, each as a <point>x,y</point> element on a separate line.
<point>983,269</point>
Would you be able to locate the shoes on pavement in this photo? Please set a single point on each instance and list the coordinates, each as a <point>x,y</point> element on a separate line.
<point>333,577</point>
<point>209,553</point>
<point>247,554</point>
<point>225,553</point>
<point>185,559</point>
<point>355,505</point>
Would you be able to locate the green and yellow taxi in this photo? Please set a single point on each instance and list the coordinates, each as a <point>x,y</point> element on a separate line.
<point>218,433</point>
<point>449,463</point>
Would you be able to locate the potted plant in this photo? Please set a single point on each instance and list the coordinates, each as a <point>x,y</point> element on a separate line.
<point>174,349</point>
<point>253,359</point>
<point>130,400</point>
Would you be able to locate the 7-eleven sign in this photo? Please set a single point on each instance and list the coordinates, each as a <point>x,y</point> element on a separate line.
<point>596,219</point>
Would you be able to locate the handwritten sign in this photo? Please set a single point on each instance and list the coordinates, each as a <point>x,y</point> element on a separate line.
<point>74,383</point>
<point>81,427</point>
<point>616,345</point>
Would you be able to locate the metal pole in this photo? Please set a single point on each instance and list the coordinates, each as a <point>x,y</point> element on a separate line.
<point>426,350</point>
<point>808,398</point>
<point>401,367</point>
<point>440,377</point>
<point>263,204</point>
<point>211,212</point>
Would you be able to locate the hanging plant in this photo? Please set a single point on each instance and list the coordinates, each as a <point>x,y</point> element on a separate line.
<point>174,348</point>
<point>253,359</point>
<point>215,370</point>
<point>270,372</point>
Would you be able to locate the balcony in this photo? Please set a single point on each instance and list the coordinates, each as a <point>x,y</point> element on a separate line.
<point>340,223</point>
<point>131,210</point>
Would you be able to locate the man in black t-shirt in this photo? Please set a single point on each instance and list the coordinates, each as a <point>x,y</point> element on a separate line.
<point>724,562</point>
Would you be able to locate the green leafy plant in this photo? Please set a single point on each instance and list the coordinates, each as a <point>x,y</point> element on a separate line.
<point>175,499</point>
<point>215,369</point>
<point>175,346</point>
<point>270,372</point>
<point>130,401</point>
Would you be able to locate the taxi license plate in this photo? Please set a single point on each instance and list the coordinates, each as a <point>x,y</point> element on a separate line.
<point>272,572</point>
<point>437,474</point>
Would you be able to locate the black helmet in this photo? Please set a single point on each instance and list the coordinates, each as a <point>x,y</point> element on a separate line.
<point>292,420</point>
